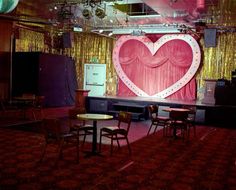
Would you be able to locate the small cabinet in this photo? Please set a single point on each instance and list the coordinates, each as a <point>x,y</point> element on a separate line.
<point>98,106</point>
<point>138,111</point>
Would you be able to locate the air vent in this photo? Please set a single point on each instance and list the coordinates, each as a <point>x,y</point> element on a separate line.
<point>135,9</point>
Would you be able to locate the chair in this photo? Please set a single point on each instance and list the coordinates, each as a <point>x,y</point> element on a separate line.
<point>157,120</point>
<point>178,120</point>
<point>7,110</point>
<point>37,108</point>
<point>53,133</point>
<point>119,132</point>
<point>191,118</point>
<point>78,126</point>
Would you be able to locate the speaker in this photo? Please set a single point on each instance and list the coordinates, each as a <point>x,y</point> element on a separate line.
<point>210,37</point>
<point>67,40</point>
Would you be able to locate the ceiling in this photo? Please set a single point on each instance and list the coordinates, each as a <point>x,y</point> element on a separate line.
<point>126,15</point>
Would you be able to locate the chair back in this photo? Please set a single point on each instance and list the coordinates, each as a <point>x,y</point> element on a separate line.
<point>124,118</point>
<point>192,112</point>
<point>153,111</point>
<point>39,101</point>
<point>72,113</point>
<point>2,107</point>
<point>178,115</point>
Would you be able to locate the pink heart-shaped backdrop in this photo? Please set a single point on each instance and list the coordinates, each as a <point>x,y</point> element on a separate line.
<point>153,48</point>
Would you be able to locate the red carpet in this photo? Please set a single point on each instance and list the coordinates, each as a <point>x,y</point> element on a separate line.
<point>204,163</point>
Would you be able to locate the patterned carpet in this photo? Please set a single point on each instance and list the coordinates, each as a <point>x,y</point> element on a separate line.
<point>207,162</point>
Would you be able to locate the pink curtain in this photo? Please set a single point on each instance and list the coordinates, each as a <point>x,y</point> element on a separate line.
<point>154,73</point>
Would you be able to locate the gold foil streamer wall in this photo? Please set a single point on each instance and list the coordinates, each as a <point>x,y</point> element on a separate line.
<point>86,48</point>
<point>30,41</point>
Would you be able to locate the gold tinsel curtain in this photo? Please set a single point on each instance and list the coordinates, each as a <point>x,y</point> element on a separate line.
<point>29,41</point>
<point>92,48</point>
<point>217,62</point>
<point>220,61</point>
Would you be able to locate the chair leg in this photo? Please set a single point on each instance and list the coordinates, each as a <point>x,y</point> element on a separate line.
<point>155,128</point>
<point>194,130</point>
<point>164,130</point>
<point>100,141</point>
<point>77,149</point>
<point>34,115</point>
<point>117,141</point>
<point>149,129</point>
<point>111,145</point>
<point>84,139</point>
<point>60,154</point>
<point>43,152</point>
<point>128,145</point>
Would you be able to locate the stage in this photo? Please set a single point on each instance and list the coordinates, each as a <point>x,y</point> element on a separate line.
<point>206,113</point>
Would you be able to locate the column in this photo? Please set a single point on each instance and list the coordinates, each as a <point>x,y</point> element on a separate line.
<point>80,98</point>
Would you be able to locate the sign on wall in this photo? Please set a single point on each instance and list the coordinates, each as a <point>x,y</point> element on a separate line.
<point>95,79</point>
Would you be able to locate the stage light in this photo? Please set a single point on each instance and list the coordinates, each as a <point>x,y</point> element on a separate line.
<point>87,13</point>
<point>100,13</point>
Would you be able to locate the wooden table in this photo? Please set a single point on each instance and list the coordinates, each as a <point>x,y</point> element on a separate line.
<point>94,118</point>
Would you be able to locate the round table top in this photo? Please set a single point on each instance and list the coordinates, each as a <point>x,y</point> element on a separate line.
<point>24,98</point>
<point>93,116</point>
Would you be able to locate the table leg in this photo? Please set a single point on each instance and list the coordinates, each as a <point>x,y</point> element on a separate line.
<point>94,142</point>
<point>94,151</point>
<point>174,132</point>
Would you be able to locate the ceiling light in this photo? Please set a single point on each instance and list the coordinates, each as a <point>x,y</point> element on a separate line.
<point>100,31</point>
<point>110,34</point>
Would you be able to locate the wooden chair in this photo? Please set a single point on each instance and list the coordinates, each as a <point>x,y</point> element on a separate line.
<point>53,133</point>
<point>157,120</point>
<point>191,118</point>
<point>78,126</point>
<point>119,132</point>
<point>178,121</point>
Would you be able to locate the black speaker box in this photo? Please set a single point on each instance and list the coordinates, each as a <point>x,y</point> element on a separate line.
<point>67,40</point>
<point>210,37</point>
